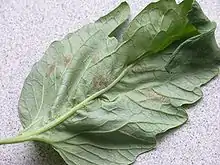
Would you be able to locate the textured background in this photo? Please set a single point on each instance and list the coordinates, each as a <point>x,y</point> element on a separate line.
<point>27,27</point>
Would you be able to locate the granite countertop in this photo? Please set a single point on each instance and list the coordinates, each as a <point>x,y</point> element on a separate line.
<point>27,27</point>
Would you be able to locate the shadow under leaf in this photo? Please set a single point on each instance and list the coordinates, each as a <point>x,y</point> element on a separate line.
<point>48,154</point>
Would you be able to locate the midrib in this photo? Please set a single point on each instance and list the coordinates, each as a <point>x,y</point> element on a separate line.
<point>27,136</point>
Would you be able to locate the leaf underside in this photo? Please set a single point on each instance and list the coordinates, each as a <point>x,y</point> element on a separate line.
<point>100,100</point>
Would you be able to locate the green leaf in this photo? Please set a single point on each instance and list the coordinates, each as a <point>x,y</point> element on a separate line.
<point>164,16</point>
<point>58,74</point>
<point>98,100</point>
<point>200,50</point>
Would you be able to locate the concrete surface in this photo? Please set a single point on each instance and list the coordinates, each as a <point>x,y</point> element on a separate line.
<point>27,27</point>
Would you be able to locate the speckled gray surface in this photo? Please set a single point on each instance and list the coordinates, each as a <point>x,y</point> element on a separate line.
<point>27,27</point>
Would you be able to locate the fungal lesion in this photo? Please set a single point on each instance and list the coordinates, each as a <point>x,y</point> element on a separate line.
<point>67,60</point>
<point>100,81</point>
<point>50,70</point>
<point>150,94</point>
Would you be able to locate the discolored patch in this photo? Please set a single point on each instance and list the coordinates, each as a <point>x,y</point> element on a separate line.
<point>50,70</point>
<point>95,59</point>
<point>100,82</point>
<point>150,94</point>
<point>67,59</point>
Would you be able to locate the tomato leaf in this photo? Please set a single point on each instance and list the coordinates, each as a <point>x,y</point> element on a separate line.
<point>98,100</point>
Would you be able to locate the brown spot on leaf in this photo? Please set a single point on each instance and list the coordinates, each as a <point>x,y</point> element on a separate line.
<point>95,59</point>
<point>67,60</point>
<point>150,94</point>
<point>50,70</point>
<point>100,82</point>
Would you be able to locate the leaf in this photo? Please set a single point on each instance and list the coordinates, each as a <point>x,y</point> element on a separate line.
<point>190,52</point>
<point>164,16</point>
<point>98,100</point>
<point>58,74</point>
